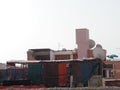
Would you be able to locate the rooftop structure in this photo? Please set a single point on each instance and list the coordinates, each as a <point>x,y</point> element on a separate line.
<point>82,41</point>
<point>64,67</point>
<point>48,54</point>
<point>61,73</point>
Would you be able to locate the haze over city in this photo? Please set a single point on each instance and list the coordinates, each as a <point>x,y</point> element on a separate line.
<point>27,24</point>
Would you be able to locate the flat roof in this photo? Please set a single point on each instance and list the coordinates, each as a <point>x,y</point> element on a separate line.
<point>37,50</point>
<point>50,61</point>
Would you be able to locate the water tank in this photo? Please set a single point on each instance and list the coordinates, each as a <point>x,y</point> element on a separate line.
<point>98,52</point>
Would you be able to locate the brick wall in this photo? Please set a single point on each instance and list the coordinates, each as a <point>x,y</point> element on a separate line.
<point>116,68</point>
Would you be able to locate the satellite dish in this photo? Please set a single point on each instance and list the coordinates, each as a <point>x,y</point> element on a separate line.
<point>98,52</point>
<point>91,43</point>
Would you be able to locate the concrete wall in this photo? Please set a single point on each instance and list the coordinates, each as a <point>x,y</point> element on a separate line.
<point>95,81</point>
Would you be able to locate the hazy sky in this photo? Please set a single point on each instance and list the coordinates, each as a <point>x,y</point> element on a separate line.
<point>27,24</point>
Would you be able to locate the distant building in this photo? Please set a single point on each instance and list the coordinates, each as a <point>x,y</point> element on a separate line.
<point>111,73</point>
<point>84,50</point>
<point>39,54</point>
<point>48,54</point>
<point>3,66</point>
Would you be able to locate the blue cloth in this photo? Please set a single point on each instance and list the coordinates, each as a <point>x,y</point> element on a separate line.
<point>88,68</point>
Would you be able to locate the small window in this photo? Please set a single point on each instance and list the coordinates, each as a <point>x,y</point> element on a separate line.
<point>108,73</point>
<point>110,66</point>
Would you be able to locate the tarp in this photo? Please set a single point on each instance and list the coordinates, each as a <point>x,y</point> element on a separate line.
<point>13,74</point>
<point>88,68</point>
<point>35,73</point>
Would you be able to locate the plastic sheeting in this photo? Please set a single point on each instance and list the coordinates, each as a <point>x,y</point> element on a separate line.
<point>88,68</point>
<point>13,74</point>
<point>35,73</point>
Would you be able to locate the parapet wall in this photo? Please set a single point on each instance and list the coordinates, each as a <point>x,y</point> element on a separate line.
<point>82,88</point>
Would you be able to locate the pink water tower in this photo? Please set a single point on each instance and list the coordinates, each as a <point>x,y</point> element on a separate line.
<point>82,41</point>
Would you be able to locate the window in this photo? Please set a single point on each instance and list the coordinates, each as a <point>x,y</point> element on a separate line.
<point>108,73</point>
<point>110,66</point>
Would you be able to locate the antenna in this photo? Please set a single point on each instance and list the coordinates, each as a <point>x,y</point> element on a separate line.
<point>59,46</point>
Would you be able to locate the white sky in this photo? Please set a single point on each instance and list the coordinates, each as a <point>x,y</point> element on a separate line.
<point>27,24</point>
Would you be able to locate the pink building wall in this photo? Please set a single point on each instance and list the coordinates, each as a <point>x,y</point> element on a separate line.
<point>82,41</point>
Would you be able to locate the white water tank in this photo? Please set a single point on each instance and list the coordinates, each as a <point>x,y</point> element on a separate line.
<point>98,52</point>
